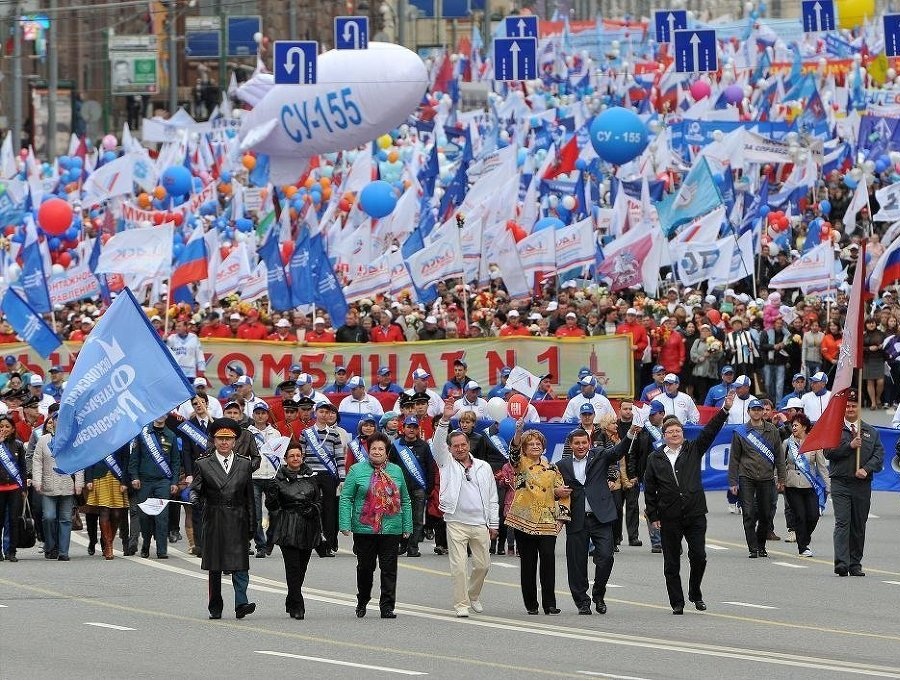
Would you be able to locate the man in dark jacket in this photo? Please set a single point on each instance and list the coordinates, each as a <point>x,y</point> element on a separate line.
<point>649,438</point>
<point>851,487</point>
<point>155,468</point>
<point>755,457</point>
<point>245,444</point>
<point>593,516</point>
<point>676,503</point>
<point>222,483</point>
<point>413,455</point>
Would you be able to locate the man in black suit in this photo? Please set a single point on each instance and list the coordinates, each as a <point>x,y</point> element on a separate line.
<point>593,515</point>
<point>676,502</point>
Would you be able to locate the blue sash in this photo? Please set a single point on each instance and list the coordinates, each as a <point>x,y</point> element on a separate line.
<point>802,464</point>
<point>194,434</point>
<point>359,452</point>
<point>311,436</point>
<point>655,433</point>
<point>10,465</point>
<point>410,462</point>
<point>498,442</point>
<point>151,442</point>
<point>115,468</point>
<point>758,444</point>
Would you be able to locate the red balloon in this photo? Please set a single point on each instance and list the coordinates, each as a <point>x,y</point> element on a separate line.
<point>64,259</point>
<point>287,250</point>
<point>10,230</point>
<point>177,218</point>
<point>159,218</point>
<point>517,406</point>
<point>55,216</point>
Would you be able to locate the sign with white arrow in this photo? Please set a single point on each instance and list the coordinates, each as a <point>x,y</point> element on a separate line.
<point>515,59</point>
<point>351,33</point>
<point>295,62</point>
<point>521,27</point>
<point>818,15</point>
<point>892,35</point>
<point>695,51</point>
<point>668,21</point>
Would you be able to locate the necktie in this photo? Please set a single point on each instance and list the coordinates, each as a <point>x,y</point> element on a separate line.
<point>853,430</point>
<point>226,463</point>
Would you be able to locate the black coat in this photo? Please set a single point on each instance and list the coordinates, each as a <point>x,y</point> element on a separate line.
<point>595,486</point>
<point>422,452</point>
<point>229,518</point>
<point>669,498</point>
<point>294,501</point>
<point>17,454</point>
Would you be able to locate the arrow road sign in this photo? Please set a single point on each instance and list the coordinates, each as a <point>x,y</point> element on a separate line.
<point>668,21</point>
<point>295,62</point>
<point>351,33</point>
<point>521,27</point>
<point>818,15</point>
<point>515,58</point>
<point>892,35</point>
<point>695,51</point>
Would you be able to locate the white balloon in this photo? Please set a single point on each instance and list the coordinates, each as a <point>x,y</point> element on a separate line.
<point>569,202</point>
<point>891,74</point>
<point>57,270</point>
<point>13,272</point>
<point>497,408</point>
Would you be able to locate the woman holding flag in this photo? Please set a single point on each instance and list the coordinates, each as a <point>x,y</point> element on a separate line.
<point>806,485</point>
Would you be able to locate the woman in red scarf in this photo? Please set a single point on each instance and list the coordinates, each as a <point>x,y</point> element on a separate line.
<point>375,506</point>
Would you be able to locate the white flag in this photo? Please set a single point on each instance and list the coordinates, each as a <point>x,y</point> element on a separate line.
<point>153,506</point>
<point>888,203</point>
<point>816,266</point>
<point>697,261</point>
<point>859,201</point>
<point>374,278</point>
<point>575,245</point>
<point>231,271</point>
<point>256,285</point>
<point>441,259</point>
<point>523,381</point>
<point>111,179</point>
<point>537,251</point>
<point>143,251</point>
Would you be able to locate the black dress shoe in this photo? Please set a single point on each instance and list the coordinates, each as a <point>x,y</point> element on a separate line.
<point>841,572</point>
<point>388,615</point>
<point>164,556</point>
<point>700,605</point>
<point>552,611</point>
<point>64,558</point>
<point>533,612</point>
<point>678,611</point>
<point>145,554</point>
<point>754,554</point>
<point>297,614</point>
<point>12,559</point>
<point>413,554</point>
<point>857,573</point>
<point>244,609</point>
<point>129,552</point>
<point>600,606</point>
<point>328,554</point>
<point>215,615</point>
<point>360,611</point>
<point>636,542</point>
<point>763,553</point>
<point>584,610</point>
<point>92,549</point>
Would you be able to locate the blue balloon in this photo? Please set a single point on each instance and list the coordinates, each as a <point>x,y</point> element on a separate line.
<point>618,135</point>
<point>225,176</point>
<point>825,207</point>
<point>244,224</point>
<point>849,182</point>
<point>178,199</point>
<point>197,185</point>
<point>208,208</point>
<point>548,223</point>
<point>764,211</point>
<point>64,161</point>
<point>72,233</point>
<point>378,199</point>
<point>53,243</point>
<point>881,165</point>
<point>76,162</point>
<point>109,156</point>
<point>177,180</point>
<point>507,428</point>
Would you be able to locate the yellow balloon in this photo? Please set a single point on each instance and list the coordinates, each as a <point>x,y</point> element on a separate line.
<point>385,141</point>
<point>852,13</point>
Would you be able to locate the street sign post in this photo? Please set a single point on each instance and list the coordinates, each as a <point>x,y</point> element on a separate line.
<point>295,62</point>
<point>521,27</point>
<point>668,21</point>
<point>818,15</point>
<point>892,35</point>
<point>351,33</point>
<point>515,59</point>
<point>695,51</point>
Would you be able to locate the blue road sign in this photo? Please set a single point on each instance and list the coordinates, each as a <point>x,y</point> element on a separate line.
<point>515,58</point>
<point>201,44</point>
<point>818,15</point>
<point>521,27</point>
<point>456,9</point>
<point>295,62</point>
<point>351,33</point>
<point>695,51</point>
<point>892,35</point>
<point>239,36</point>
<point>668,21</point>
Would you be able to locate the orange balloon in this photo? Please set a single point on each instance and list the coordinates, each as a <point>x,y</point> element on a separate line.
<point>309,183</point>
<point>160,192</point>
<point>290,190</point>
<point>325,182</point>
<point>326,193</point>
<point>393,156</point>
<point>248,161</point>
<point>144,200</point>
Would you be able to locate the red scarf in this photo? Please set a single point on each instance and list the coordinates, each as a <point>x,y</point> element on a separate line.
<point>383,498</point>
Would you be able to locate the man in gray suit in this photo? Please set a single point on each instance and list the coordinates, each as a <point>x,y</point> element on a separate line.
<point>593,514</point>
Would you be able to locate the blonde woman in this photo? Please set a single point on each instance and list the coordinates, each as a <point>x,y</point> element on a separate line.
<point>616,475</point>
<point>539,508</point>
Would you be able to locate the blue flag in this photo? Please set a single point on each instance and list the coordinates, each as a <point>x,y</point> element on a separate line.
<point>270,253</point>
<point>698,195</point>
<point>328,292</point>
<point>413,244</point>
<point>299,268</point>
<point>28,324</point>
<point>105,294</point>
<point>34,279</point>
<point>123,378</point>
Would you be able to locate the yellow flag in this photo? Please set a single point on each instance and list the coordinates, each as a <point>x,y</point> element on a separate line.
<point>877,69</point>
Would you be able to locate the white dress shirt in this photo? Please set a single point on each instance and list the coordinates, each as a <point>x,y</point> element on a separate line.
<point>579,467</point>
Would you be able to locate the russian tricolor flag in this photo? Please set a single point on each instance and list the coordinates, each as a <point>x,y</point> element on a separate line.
<point>191,265</point>
<point>887,269</point>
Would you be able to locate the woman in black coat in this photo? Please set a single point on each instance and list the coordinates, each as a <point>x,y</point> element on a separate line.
<point>294,500</point>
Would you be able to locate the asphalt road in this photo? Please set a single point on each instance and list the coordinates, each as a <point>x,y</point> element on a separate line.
<point>781,617</point>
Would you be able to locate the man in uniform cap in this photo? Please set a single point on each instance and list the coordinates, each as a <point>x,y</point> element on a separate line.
<point>384,383</point>
<point>222,483</point>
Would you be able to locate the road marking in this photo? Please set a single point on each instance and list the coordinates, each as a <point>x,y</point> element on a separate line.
<point>104,625</point>
<point>504,565</point>
<point>750,605</point>
<point>4,606</point>
<point>872,515</point>
<point>716,547</point>
<point>790,565</point>
<point>390,670</point>
<point>613,676</point>
<point>886,581</point>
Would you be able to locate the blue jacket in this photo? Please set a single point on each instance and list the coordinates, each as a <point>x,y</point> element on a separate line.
<point>716,396</point>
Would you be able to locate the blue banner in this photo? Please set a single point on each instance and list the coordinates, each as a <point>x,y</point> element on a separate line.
<point>123,378</point>
<point>270,253</point>
<point>34,279</point>
<point>29,324</point>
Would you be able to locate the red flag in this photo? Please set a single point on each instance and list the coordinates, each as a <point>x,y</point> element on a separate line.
<point>826,434</point>
<point>565,160</point>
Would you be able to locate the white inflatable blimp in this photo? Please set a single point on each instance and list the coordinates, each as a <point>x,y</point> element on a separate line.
<point>358,96</point>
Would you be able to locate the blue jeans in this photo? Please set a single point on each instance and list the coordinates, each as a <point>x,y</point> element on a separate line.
<point>773,376</point>
<point>57,523</point>
<point>157,526</point>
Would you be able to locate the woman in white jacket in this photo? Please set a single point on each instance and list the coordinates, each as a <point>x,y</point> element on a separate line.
<point>57,495</point>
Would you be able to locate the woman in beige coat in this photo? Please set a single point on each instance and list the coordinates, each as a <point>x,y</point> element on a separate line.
<point>806,482</point>
<point>57,495</point>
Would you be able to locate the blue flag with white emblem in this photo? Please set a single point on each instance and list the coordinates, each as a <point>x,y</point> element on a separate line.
<point>699,194</point>
<point>34,278</point>
<point>123,378</point>
<point>28,324</point>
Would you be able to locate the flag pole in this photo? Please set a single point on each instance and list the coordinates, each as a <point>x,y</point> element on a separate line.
<point>168,305</point>
<point>857,350</point>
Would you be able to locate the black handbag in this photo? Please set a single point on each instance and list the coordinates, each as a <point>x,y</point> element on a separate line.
<point>26,535</point>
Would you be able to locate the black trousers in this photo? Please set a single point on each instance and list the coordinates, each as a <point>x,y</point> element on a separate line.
<point>601,534</point>
<point>851,499</point>
<point>11,504</point>
<point>534,548</point>
<point>632,512</point>
<point>671,533</point>
<point>329,508</point>
<point>756,502</point>
<point>804,505</point>
<point>369,549</point>
<point>417,501</point>
<point>619,500</point>
<point>295,562</point>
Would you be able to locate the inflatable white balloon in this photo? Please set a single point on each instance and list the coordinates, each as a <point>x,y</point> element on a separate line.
<point>497,408</point>
<point>359,95</point>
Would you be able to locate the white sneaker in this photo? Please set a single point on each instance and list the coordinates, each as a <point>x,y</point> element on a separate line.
<point>462,611</point>
<point>791,537</point>
<point>732,508</point>
<point>477,607</point>
<point>807,553</point>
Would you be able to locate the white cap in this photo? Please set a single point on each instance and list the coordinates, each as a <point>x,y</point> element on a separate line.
<point>729,292</point>
<point>200,381</point>
<point>535,317</point>
<point>570,284</point>
<point>630,310</point>
<point>794,403</point>
<point>671,378</point>
<point>711,299</point>
<point>235,317</point>
<point>283,324</point>
<point>356,382</point>
<point>513,313</point>
<point>742,381</point>
<point>244,380</point>
<point>304,379</point>
<point>36,380</point>
<point>572,315</point>
<point>552,306</point>
<point>663,320</point>
<point>156,318</point>
<point>472,385</point>
<point>318,320</point>
<point>431,319</point>
<point>421,374</point>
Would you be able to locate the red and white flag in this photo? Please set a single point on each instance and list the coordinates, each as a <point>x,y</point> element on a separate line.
<point>826,433</point>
